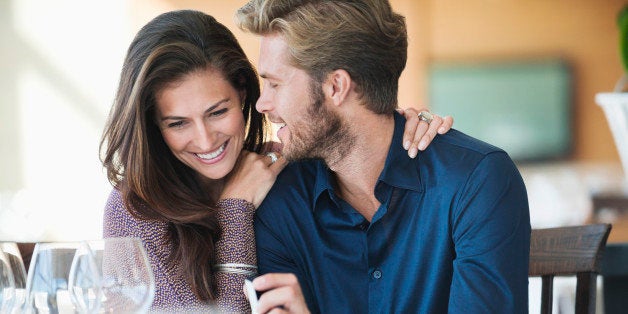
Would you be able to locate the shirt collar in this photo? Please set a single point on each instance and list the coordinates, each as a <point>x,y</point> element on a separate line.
<point>323,181</point>
<point>399,171</point>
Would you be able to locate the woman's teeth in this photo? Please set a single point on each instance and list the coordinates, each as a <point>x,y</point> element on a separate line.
<point>213,154</point>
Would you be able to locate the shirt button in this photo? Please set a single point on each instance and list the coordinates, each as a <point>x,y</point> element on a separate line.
<point>377,274</point>
<point>362,226</point>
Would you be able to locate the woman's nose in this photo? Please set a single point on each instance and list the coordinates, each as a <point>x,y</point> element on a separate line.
<point>204,137</point>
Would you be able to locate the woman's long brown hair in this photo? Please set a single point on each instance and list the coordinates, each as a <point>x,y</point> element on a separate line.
<point>155,185</point>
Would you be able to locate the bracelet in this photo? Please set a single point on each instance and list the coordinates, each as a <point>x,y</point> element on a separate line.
<point>236,265</point>
<point>236,268</point>
<point>237,271</point>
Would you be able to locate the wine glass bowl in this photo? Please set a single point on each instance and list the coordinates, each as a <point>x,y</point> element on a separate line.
<point>7,284</point>
<point>127,283</point>
<point>14,257</point>
<point>47,282</point>
<point>111,275</point>
<point>85,281</point>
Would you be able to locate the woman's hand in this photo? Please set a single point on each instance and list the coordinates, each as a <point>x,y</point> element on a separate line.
<point>419,134</point>
<point>252,177</point>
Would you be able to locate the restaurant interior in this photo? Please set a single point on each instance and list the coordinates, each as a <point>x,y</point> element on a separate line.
<point>532,77</point>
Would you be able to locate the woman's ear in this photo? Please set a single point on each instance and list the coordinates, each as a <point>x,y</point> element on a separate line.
<point>338,86</point>
<point>242,97</point>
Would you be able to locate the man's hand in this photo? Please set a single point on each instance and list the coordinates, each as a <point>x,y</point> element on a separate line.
<point>282,294</point>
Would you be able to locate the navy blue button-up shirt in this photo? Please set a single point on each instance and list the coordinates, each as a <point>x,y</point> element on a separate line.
<point>452,233</point>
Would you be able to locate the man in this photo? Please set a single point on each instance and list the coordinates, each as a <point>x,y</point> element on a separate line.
<point>364,228</point>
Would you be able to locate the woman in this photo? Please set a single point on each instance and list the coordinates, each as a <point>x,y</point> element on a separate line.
<point>182,148</point>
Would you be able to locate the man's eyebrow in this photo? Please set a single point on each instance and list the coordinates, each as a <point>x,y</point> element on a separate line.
<point>210,109</point>
<point>267,76</point>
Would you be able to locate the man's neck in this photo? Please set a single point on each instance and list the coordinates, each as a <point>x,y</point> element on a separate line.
<point>356,174</point>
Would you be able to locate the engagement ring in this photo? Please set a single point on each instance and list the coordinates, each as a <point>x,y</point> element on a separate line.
<point>273,157</point>
<point>425,116</point>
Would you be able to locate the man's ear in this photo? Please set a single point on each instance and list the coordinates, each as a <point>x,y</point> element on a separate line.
<point>338,86</point>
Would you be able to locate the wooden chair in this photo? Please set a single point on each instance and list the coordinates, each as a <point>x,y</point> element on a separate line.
<point>568,251</point>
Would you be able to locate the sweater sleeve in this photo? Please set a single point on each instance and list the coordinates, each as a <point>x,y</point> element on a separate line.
<point>171,289</point>
<point>236,245</point>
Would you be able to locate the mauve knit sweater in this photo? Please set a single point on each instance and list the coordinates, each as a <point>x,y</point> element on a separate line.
<point>173,293</point>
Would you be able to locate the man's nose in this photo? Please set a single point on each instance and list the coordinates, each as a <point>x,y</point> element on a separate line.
<point>263,104</point>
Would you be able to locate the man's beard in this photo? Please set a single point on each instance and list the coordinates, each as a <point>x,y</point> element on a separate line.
<point>322,134</point>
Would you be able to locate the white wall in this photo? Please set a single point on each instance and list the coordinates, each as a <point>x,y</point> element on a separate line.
<point>60,62</point>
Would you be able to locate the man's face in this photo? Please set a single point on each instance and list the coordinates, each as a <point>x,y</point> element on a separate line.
<point>308,128</point>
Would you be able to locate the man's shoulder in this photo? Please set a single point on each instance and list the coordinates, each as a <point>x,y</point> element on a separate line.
<point>300,171</point>
<point>292,196</point>
<point>453,157</point>
<point>458,141</point>
<point>457,149</point>
<point>297,179</point>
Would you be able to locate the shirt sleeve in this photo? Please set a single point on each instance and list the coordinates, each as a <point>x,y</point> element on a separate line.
<point>236,246</point>
<point>491,235</point>
<point>274,256</point>
<point>272,253</point>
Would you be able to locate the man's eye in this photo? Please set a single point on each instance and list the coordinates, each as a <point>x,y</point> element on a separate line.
<point>271,84</point>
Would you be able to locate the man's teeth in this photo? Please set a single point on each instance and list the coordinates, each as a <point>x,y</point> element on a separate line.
<point>213,154</point>
<point>281,125</point>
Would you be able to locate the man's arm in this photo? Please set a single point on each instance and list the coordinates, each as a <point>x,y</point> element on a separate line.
<point>280,277</point>
<point>491,234</point>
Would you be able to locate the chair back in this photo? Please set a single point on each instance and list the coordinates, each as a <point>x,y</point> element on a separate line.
<point>568,251</point>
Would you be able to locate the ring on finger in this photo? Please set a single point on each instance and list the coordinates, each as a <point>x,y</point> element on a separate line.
<point>273,157</point>
<point>426,116</point>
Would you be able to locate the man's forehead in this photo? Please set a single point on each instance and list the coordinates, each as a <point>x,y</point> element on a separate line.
<point>273,52</point>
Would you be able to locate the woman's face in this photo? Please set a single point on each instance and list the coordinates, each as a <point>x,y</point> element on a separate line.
<point>201,121</point>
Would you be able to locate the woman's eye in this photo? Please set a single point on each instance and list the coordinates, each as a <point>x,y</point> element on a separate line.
<point>175,124</point>
<point>219,112</point>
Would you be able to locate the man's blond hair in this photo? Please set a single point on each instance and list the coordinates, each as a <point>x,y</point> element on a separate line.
<point>363,37</point>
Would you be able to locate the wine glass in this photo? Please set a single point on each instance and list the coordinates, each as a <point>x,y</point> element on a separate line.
<point>85,281</point>
<point>47,282</point>
<point>7,285</point>
<point>128,284</point>
<point>16,263</point>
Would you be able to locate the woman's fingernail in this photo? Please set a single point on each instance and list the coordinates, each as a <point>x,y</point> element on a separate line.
<point>441,130</point>
<point>406,145</point>
<point>412,152</point>
<point>422,145</point>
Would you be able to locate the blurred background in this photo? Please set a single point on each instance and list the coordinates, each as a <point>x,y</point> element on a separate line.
<point>542,62</point>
